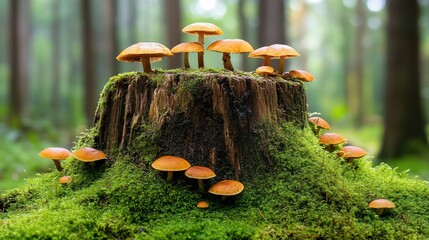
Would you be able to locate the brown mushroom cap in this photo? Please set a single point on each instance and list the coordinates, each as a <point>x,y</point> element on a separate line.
<point>55,153</point>
<point>331,138</point>
<point>64,180</point>
<point>170,164</point>
<point>88,154</point>
<point>300,75</point>
<point>199,172</point>
<point>319,122</point>
<point>188,47</point>
<point>202,204</point>
<point>202,28</point>
<point>381,203</point>
<point>135,52</point>
<point>230,46</point>
<point>264,70</point>
<point>351,152</point>
<point>227,188</point>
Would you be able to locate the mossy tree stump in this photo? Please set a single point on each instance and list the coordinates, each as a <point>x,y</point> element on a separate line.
<point>211,119</point>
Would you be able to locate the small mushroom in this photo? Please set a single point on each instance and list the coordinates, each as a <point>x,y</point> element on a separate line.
<point>200,173</point>
<point>201,29</point>
<point>202,204</point>
<point>186,48</point>
<point>88,154</point>
<point>64,180</point>
<point>351,152</point>
<point>170,164</point>
<point>228,46</point>
<point>280,51</point>
<point>381,204</point>
<point>55,154</point>
<point>299,75</point>
<point>261,53</point>
<point>318,123</point>
<point>264,70</point>
<point>331,140</point>
<point>226,188</point>
<point>144,52</point>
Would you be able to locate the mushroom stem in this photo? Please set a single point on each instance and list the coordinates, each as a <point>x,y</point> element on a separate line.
<point>57,164</point>
<point>281,65</point>
<point>267,61</point>
<point>186,60</point>
<point>169,176</point>
<point>146,64</point>
<point>380,211</point>
<point>201,185</point>
<point>201,54</point>
<point>226,58</point>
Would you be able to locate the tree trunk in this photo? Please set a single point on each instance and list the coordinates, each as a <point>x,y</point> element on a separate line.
<point>243,30</point>
<point>403,116</point>
<point>111,40</point>
<point>88,62</point>
<point>56,60</point>
<point>174,30</point>
<point>211,120</point>
<point>357,87</point>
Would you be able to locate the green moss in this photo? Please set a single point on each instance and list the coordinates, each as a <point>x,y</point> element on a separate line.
<point>307,193</point>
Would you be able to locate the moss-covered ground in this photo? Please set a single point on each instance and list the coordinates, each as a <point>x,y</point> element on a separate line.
<point>307,194</point>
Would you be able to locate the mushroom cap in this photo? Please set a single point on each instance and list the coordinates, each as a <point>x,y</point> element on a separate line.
<point>264,70</point>
<point>202,204</point>
<point>202,27</point>
<point>188,47</point>
<point>227,188</point>
<point>320,122</point>
<point>331,138</point>
<point>64,180</point>
<point>88,154</point>
<point>381,203</point>
<point>300,75</point>
<point>230,46</point>
<point>55,153</point>
<point>274,51</point>
<point>170,164</point>
<point>199,172</point>
<point>135,52</point>
<point>351,152</point>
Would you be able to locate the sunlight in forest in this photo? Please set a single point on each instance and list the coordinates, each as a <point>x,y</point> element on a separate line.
<point>210,8</point>
<point>375,5</point>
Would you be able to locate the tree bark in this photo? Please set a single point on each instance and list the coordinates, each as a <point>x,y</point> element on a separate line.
<point>111,31</point>
<point>211,120</point>
<point>174,29</point>
<point>403,116</point>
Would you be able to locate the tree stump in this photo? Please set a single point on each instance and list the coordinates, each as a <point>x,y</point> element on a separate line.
<point>211,119</point>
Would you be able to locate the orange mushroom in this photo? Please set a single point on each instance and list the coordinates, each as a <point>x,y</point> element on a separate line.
<point>318,123</point>
<point>55,154</point>
<point>280,51</point>
<point>201,29</point>
<point>331,140</point>
<point>228,46</point>
<point>351,152</point>
<point>200,173</point>
<point>202,204</point>
<point>170,164</point>
<point>227,188</point>
<point>264,70</point>
<point>299,75</point>
<point>381,204</point>
<point>88,154</point>
<point>186,48</point>
<point>144,52</point>
<point>64,180</point>
<point>261,53</point>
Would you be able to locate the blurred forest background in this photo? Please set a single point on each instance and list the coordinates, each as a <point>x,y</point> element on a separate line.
<point>370,59</point>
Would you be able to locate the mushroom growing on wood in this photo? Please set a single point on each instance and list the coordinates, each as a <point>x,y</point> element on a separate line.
<point>228,46</point>
<point>264,70</point>
<point>318,123</point>
<point>331,140</point>
<point>200,173</point>
<point>261,53</point>
<point>299,75</point>
<point>88,154</point>
<point>201,29</point>
<point>144,52</point>
<point>381,204</point>
<point>186,48</point>
<point>55,154</point>
<point>351,152</point>
<point>170,164</point>
<point>226,188</point>
<point>280,51</point>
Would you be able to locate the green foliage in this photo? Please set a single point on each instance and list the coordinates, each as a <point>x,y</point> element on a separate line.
<point>308,194</point>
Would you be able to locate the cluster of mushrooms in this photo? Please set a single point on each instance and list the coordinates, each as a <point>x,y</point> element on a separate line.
<point>333,142</point>
<point>85,154</point>
<point>148,52</point>
<point>223,188</point>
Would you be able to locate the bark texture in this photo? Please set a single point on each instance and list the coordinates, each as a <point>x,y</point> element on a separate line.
<point>209,119</point>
